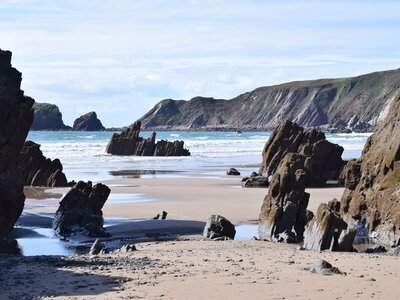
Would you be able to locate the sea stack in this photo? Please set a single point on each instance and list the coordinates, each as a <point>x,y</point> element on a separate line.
<point>128,142</point>
<point>16,117</point>
<point>88,122</point>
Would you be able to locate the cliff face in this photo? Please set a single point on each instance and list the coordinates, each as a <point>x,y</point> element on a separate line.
<point>47,117</point>
<point>356,103</point>
<point>16,117</point>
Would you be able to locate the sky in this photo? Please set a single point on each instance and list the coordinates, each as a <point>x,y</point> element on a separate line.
<point>121,57</point>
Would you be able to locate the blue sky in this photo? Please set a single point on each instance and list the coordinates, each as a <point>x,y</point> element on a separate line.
<point>121,57</point>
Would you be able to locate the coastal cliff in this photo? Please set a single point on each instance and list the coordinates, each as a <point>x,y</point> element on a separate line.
<point>356,103</point>
<point>47,117</point>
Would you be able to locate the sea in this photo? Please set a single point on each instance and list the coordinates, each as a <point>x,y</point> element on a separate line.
<point>83,154</point>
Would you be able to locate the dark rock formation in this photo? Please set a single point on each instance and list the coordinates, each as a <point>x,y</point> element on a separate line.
<point>47,117</point>
<point>129,143</point>
<point>324,231</point>
<point>356,103</point>
<point>233,171</point>
<point>372,194</point>
<point>80,210</point>
<point>284,213</point>
<point>290,144</point>
<point>9,246</point>
<point>255,180</point>
<point>218,226</point>
<point>88,122</point>
<point>16,116</point>
<point>39,170</point>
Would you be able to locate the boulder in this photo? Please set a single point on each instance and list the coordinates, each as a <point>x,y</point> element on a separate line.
<point>88,122</point>
<point>233,171</point>
<point>80,210</point>
<point>324,231</point>
<point>128,142</point>
<point>39,170</point>
<point>219,227</point>
<point>284,213</point>
<point>255,180</point>
<point>47,117</point>
<point>372,194</point>
<point>307,150</point>
<point>16,116</point>
<point>128,248</point>
<point>322,267</point>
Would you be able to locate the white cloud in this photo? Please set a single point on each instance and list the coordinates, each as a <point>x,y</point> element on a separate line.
<point>121,57</point>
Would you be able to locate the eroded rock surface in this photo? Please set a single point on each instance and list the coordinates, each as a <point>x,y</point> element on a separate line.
<point>16,116</point>
<point>324,231</point>
<point>39,170</point>
<point>372,193</point>
<point>88,122</point>
<point>128,142</point>
<point>80,211</point>
<point>284,212</point>
<point>308,150</point>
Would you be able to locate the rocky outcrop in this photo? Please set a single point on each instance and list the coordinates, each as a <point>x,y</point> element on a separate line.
<point>290,144</point>
<point>88,122</point>
<point>129,143</point>
<point>80,211</point>
<point>372,193</point>
<point>356,103</point>
<point>39,170</point>
<point>47,117</point>
<point>284,212</point>
<point>324,231</point>
<point>16,117</point>
<point>219,227</point>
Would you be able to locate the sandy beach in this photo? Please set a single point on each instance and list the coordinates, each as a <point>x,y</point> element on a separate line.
<point>186,266</point>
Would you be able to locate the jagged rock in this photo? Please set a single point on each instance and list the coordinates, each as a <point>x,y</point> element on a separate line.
<point>80,210</point>
<point>129,143</point>
<point>372,194</point>
<point>218,226</point>
<point>88,122</point>
<point>47,117</point>
<point>16,116</point>
<point>284,209</point>
<point>39,170</point>
<point>324,231</point>
<point>233,171</point>
<point>97,248</point>
<point>307,150</point>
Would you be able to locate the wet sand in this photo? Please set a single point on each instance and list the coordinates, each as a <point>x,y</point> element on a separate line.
<point>189,267</point>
